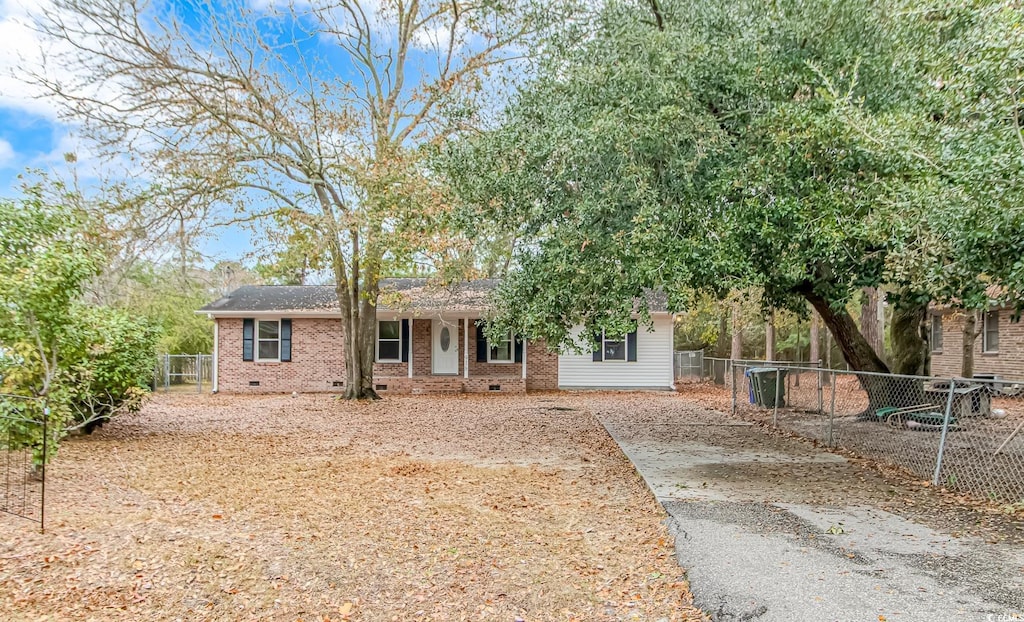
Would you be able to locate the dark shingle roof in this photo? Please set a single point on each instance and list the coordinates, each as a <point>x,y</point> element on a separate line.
<point>396,294</point>
<point>406,294</point>
<point>276,298</point>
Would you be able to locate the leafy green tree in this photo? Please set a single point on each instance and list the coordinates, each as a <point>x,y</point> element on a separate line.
<point>168,300</point>
<point>75,364</point>
<point>789,146</point>
<point>107,361</point>
<point>46,258</point>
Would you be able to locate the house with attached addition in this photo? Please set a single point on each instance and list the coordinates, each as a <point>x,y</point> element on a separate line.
<point>274,338</point>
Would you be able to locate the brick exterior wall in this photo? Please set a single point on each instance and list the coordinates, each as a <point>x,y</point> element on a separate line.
<point>541,367</point>
<point>318,361</point>
<point>1007,363</point>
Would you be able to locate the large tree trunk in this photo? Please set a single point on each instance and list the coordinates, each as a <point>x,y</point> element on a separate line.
<point>882,389</point>
<point>870,325</point>
<point>357,290</point>
<point>856,350</point>
<point>722,344</point>
<point>909,342</point>
<point>359,333</point>
<point>970,335</point>
<point>736,350</point>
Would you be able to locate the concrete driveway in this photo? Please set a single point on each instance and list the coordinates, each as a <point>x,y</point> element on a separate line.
<point>772,528</point>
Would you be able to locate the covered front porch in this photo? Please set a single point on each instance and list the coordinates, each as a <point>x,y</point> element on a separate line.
<point>445,353</point>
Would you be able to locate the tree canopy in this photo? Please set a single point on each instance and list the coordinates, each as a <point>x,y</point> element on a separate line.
<point>806,147</point>
<point>73,363</point>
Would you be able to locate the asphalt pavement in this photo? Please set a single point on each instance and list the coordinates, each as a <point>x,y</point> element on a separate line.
<point>748,559</point>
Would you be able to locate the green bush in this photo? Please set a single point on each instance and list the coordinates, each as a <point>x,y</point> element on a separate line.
<point>109,365</point>
<point>74,364</point>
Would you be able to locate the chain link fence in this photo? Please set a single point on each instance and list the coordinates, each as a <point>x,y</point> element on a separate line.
<point>183,372</point>
<point>25,437</point>
<point>689,365</point>
<point>964,434</point>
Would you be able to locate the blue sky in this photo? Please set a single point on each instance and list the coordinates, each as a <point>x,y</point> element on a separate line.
<point>32,136</point>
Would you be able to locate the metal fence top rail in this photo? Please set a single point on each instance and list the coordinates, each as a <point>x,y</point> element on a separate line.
<point>812,364</point>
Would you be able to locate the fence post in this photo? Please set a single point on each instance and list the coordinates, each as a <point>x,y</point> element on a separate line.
<point>778,386</point>
<point>199,376</point>
<point>167,373</point>
<point>733,378</point>
<point>832,408</point>
<point>42,470</point>
<point>945,429</point>
<point>820,382</point>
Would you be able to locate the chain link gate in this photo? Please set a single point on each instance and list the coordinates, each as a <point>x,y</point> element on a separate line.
<point>183,372</point>
<point>689,365</point>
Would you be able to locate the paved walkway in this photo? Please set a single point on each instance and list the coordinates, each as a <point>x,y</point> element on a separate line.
<point>760,548</point>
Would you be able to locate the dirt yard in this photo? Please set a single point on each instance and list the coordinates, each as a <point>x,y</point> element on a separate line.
<point>308,508</point>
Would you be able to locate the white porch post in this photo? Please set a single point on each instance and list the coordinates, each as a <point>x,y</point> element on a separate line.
<point>216,342</point>
<point>524,358</point>
<point>465,347</point>
<point>411,320</point>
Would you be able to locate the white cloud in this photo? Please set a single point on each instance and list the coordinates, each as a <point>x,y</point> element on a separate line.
<point>6,153</point>
<point>20,55</point>
<point>437,38</point>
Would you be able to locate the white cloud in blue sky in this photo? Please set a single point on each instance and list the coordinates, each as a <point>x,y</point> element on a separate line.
<point>32,137</point>
<point>6,153</point>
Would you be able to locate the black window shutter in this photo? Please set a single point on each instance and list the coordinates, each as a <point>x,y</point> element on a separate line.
<point>406,341</point>
<point>286,341</point>
<point>631,346</point>
<point>519,350</point>
<point>481,343</point>
<point>598,348</point>
<point>247,339</point>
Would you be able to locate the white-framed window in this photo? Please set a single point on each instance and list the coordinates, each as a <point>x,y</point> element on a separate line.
<point>268,341</point>
<point>502,350</point>
<point>613,347</point>
<point>936,333</point>
<point>990,331</point>
<point>389,341</point>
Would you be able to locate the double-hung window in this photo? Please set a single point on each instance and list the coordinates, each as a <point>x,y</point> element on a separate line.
<point>268,341</point>
<point>936,333</point>
<point>502,350</point>
<point>613,347</point>
<point>990,332</point>
<point>389,341</point>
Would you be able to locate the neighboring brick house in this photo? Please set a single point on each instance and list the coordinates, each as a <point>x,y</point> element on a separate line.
<point>289,338</point>
<point>998,349</point>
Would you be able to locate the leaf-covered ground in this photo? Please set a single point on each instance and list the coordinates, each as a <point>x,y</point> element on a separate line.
<point>310,508</point>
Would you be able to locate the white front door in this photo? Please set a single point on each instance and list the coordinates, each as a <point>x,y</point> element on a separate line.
<point>445,347</point>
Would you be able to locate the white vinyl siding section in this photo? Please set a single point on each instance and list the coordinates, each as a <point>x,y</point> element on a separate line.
<point>652,368</point>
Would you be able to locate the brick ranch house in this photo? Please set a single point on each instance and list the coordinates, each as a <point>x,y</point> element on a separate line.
<point>271,338</point>
<point>998,349</point>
